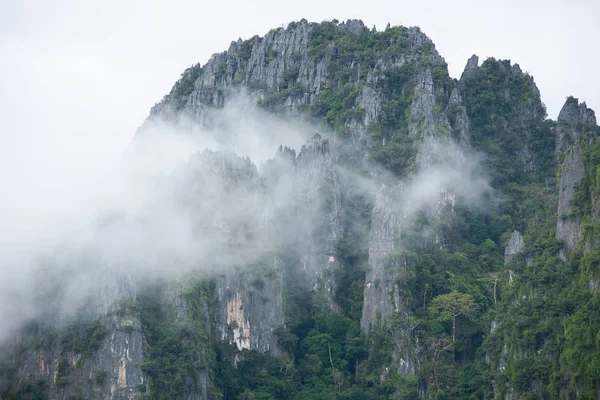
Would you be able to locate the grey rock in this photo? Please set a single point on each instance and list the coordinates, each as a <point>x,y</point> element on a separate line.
<point>249,306</point>
<point>262,66</point>
<point>458,114</point>
<point>370,99</point>
<point>525,144</point>
<point>525,156</point>
<point>427,123</point>
<point>382,294</point>
<point>575,121</point>
<point>576,126</point>
<point>471,68</point>
<point>515,246</point>
<point>353,25</point>
<point>313,184</point>
<point>571,173</point>
<point>113,371</point>
<point>249,295</point>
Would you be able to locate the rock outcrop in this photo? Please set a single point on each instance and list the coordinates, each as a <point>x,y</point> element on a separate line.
<point>575,129</point>
<point>426,123</point>
<point>249,306</point>
<point>85,354</point>
<point>310,222</point>
<point>382,295</point>
<point>384,289</point>
<point>515,246</point>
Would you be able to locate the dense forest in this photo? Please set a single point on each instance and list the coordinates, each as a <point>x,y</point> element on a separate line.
<point>495,297</point>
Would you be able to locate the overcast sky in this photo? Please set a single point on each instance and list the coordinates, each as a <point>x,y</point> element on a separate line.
<point>78,77</point>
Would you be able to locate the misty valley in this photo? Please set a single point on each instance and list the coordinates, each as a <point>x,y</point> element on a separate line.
<point>324,213</point>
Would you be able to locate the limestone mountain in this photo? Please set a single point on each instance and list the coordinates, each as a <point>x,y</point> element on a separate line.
<point>437,238</point>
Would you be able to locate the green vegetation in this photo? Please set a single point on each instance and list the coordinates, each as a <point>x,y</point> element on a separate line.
<point>507,116</point>
<point>178,347</point>
<point>183,87</point>
<point>26,389</point>
<point>452,305</point>
<point>99,377</point>
<point>83,337</point>
<point>394,148</point>
<point>63,370</point>
<point>542,345</point>
<point>351,56</point>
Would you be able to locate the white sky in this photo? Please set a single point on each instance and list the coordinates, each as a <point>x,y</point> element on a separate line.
<point>78,77</point>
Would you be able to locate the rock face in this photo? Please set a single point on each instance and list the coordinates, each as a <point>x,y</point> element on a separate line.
<point>318,190</point>
<point>242,219</point>
<point>575,127</point>
<point>293,200</point>
<point>515,246</point>
<point>471,68</point>
<point>310,222</point>
<point>282,72</point>
<point>249,306</point>
<point>575,121</point>
<point>395,207</point>
<point>382,293</point>
<point>425,122</point>
<point>92,357</point>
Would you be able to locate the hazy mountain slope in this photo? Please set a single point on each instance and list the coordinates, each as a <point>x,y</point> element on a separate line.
<point>436,239</point>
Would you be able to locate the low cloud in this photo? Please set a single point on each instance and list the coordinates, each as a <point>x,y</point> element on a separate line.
<point>186,197</point>
<point>176,203</point>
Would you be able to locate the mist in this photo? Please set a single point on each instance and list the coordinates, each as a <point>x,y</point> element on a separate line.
<point>186,198</point>
<point>455,173</point>
<point>164,210</point>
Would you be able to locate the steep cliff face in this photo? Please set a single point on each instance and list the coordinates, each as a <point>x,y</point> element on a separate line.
<point>305,67</point>
<point>439,145</point>
<point>426,122</point>
<point>108,370</point>
<point>515,246</point>
<point>95,353</point>
<point>235,210</point>
<point>575,130</point>
<point>249,306</point>
<point>293,201</point>
<point>382,293</point>
<point>310,222</point>
<point>385,291</point>
<point>401,96</point>
<point>318,190</point>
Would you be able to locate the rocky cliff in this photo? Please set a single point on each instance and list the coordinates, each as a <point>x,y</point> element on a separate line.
<point>297,71</point>
<point>95,351</point>
<point>272,287</point>
<point>515,246</point>
<point>575,130</point>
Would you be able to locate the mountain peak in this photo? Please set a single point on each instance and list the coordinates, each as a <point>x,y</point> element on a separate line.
<point>575,121</point>
<point>470,68</point>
